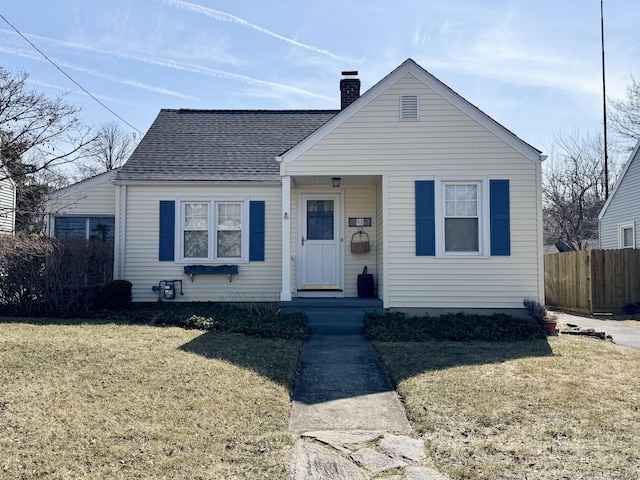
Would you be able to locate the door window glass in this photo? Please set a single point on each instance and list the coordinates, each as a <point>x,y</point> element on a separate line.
<point>319,219</point>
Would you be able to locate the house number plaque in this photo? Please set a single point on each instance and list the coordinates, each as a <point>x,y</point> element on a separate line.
<point>360,222</point>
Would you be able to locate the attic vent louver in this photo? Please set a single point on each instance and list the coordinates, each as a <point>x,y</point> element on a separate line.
<point>409,107</point>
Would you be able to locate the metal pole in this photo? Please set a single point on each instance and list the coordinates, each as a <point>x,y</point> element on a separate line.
<point>604,107</point>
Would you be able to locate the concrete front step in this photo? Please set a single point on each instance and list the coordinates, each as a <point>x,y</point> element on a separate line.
<point>335,321</point>
<point>343,316</point>
<point>355,305</point>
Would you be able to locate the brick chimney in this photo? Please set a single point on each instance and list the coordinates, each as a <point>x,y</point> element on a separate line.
<point>349,89</point>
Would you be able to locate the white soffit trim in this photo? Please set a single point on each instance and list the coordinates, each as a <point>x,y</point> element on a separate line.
<point>411,67</point>
<point>635,153</point>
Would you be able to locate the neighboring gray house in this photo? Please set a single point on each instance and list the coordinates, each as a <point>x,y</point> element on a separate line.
<point>7,203</point>
<point>619,220</point>
<point>278,201</point>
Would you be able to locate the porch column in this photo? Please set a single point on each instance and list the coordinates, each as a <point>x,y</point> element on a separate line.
<point>386,283</point>
<point>285,293</point>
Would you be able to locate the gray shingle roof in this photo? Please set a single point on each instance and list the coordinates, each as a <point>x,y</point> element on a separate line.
<point>219,145</point>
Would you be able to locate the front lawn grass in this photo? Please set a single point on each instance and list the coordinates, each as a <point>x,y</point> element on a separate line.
<point>135,401</point>
<point>566,407</point>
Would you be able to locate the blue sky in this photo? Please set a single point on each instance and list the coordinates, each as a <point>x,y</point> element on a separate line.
<point>533,66</point>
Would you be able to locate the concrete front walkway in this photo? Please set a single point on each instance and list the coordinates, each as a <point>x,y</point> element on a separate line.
<point>626,335</point>
<point>341,384</point>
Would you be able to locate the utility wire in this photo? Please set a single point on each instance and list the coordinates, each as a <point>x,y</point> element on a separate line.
<point>604,107</point>
<point>68,76</point>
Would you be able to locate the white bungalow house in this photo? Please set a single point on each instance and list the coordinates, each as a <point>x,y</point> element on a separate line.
<point>7,203</point>
<point>619,219</point>
<point>440,202</point>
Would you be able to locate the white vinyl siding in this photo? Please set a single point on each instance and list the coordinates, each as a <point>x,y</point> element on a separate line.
<point>623,208</point>
<point>93,201</point>
<point>255,282</point>
<point>7,205</point>
<point>444,142</point>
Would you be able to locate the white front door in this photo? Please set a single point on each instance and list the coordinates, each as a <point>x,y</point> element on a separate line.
<point>320,245</point>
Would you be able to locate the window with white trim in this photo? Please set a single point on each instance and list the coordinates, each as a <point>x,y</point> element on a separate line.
<point>626,235</point>
<point>462,214</point>
<point>213,230</point>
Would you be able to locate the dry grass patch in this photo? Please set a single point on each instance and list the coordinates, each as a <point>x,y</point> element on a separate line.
<point>566,408</point>
<point>118,401</point>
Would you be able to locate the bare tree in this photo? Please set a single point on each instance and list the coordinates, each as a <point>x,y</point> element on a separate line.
<point>110,151</point>
<point>574,190</point>
<point>574,180</point>
<point>37,133</point>
<point>624,115</point>
<point>32,188</point>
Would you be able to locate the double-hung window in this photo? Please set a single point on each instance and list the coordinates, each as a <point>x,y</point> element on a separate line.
<point>229,230</point>
<point>461,233</point>
<point>214,230</point>
<point>196,230</point>
<point>461,211</point>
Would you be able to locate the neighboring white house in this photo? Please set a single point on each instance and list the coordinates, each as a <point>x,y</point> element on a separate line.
<point>7,203</point>
<point>619,220</point>
<point>449,200</point>
<point>83,210</point>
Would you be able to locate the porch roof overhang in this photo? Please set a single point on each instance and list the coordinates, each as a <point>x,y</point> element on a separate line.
<point>326,180</point>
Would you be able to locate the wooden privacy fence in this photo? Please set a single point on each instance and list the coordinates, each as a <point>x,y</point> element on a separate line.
<point>592,281</point>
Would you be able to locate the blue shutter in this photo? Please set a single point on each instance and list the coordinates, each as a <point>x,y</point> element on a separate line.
<point>500,223</point>
<point>425,218</point>
<point>256,231</point>
<point>167,230</point>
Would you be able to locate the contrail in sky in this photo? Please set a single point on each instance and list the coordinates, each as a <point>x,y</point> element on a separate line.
<point>133,83</point>
<point>226,17</point>
<point>125,81</point>
<point>168,63</point>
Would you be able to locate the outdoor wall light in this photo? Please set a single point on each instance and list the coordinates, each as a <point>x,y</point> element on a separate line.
<point>335,181</point>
